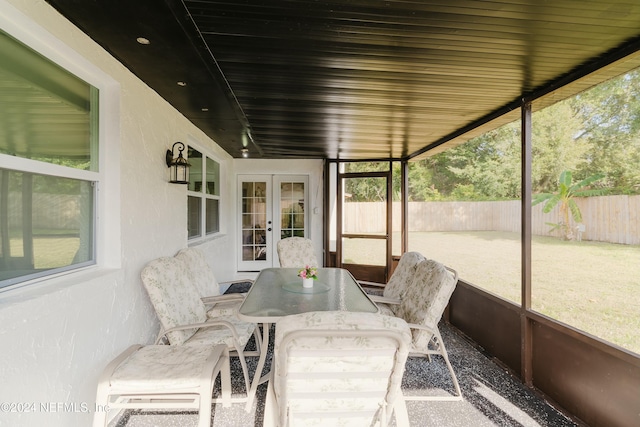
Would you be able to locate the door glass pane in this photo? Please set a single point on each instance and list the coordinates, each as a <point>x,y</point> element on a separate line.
<point>260,191</point>
<point>247,189</point>
<point>292,209</point>
<point>254,221</point>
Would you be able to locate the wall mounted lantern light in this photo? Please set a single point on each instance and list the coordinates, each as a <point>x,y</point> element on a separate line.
<point>178,166</point>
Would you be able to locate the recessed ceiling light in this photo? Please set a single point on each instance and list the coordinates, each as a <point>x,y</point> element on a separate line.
<point>182,84</point>
<point>205,109</point>
<point>143,40</point>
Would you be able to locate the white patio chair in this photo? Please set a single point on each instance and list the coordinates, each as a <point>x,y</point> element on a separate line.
<point>296,252</point>
<point>183,316</point>
<point>337,368</point>
<point>204,280</point>
<point>162,376</point>
<point>421,306</point>
<point>395,287</point>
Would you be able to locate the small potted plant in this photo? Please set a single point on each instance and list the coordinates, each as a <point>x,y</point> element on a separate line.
<point>308,274</point>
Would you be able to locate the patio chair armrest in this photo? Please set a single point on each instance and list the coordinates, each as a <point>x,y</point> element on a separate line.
<point>454,272</point>
<point>210,324</point>
<point>222,299</point>
<point>231,282</point>
<point>421,327</point>
<point>371,284</point>
<point>385,300</point>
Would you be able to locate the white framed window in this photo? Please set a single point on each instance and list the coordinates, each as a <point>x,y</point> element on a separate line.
<point>59,115</point>
<point>49,172</point>
<point>203,195</point>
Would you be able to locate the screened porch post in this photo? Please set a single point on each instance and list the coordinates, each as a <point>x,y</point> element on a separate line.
<point>404,209</point>
<point>526,350</point>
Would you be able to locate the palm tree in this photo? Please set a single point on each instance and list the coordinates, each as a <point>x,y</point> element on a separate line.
<point>565,195</point>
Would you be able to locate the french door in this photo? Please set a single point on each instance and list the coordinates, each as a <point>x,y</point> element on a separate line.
<point>271,207</point>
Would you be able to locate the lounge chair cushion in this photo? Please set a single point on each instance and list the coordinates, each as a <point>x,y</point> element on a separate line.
<point>161,368</point>
<point>327,355</point>
<point>222,310</point>
<point>199,271</point>
<point>425,299</point>
<point>402,275</point>
<point>174,297</point>
<point>296,252</point>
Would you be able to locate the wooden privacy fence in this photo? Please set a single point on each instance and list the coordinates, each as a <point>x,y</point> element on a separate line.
<point>613,219</point>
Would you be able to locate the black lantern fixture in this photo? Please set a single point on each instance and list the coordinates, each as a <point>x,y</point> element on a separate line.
<point>178,166</point>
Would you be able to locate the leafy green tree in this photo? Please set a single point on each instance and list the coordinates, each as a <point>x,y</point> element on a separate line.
<point>610,116</point>
<point>366,189</point>
<point>557,145</point>
<point>484,168</point>
<point>565,195</point>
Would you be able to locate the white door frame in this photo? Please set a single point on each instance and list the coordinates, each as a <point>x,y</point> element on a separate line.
<point>252,223</point>
<point>273,217</point>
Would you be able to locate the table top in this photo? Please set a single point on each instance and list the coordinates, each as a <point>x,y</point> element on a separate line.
<point>278,292</point>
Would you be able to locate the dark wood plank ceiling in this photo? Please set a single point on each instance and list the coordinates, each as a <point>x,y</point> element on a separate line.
<point>356,79</point>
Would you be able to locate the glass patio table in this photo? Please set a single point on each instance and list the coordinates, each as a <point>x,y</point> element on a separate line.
<point>278,292</point>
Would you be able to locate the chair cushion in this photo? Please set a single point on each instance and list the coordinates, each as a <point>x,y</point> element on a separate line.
<point>296,252</point>
<point>339,320</point>
<point>319,366</point>
<point>199,271</point>
<point>227,309</point>
<point>385,309</point>
<point>174,298</point>
<point>402,275</point>
<point>161,368</point>
<point>425,299</point>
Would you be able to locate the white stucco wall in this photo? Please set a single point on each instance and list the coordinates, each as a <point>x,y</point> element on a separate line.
<point>57,335</point>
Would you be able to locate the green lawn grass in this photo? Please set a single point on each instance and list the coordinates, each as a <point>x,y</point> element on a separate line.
<point>49,252</point>
<point>592,286</point>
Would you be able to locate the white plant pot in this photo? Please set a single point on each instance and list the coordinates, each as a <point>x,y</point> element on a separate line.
<point>307,283</point>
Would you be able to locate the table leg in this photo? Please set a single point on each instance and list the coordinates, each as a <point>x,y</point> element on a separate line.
<point>257,377</point>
